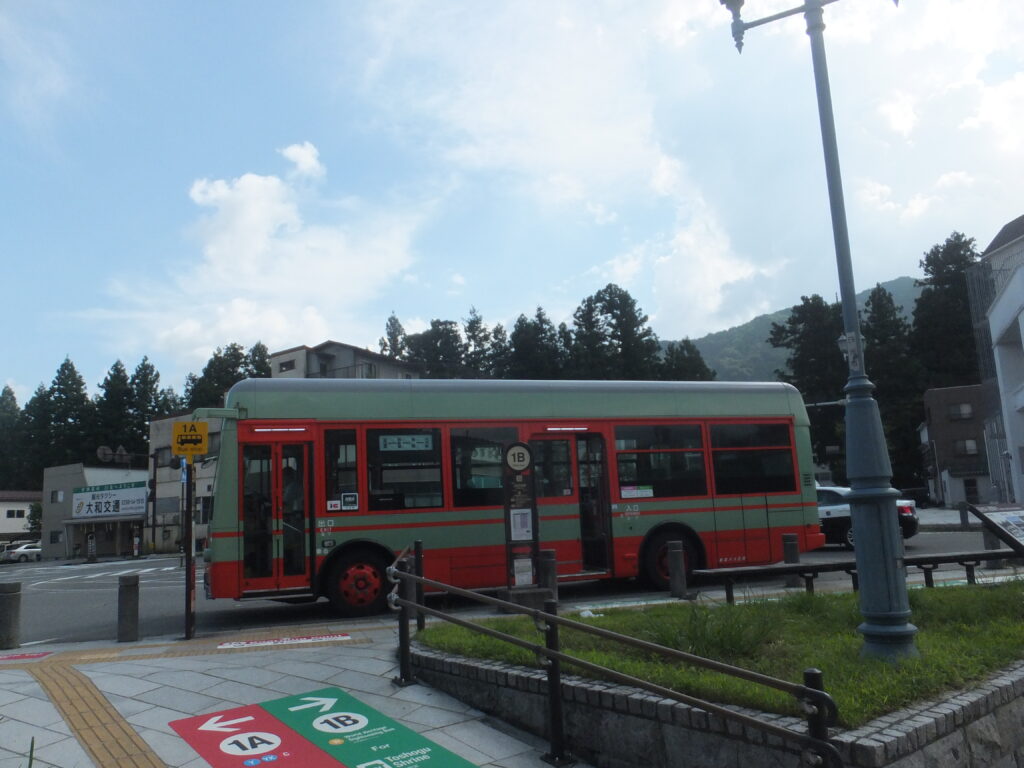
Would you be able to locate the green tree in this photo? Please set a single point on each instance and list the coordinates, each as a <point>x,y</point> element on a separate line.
<point>535,349</point>
<point>148,402</point>
<point>635,348</point>
<point>942,335</point>
<point>590,349</point>
<point>114,411</point>
<point>72,417</point>
<point>392,343</point>
<point>10,441</point>
<point>477,357</point>
<point>683,362</point>
<point>895,373</point>
<point>499,353</point>
<point>815,366</point>
<point>439,352</point>
<point>257,362</point>
<point>34,438</point>
<point>225,368</point>
<point>35,520</point>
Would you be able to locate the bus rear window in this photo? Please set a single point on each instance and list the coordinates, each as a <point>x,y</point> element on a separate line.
<point>404,468</point>
<point>752,458</point>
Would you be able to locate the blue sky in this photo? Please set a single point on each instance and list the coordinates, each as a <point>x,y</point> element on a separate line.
<point>179,176</point>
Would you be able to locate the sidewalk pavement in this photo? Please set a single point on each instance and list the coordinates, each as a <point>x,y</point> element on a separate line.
<point>108,705</point>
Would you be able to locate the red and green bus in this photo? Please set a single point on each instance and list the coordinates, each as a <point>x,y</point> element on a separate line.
<point>321,482</point>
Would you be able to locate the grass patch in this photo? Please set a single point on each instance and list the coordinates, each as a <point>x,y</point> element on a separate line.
<point>965,633</point>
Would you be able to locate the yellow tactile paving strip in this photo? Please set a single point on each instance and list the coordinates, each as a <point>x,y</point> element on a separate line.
<point>100,729</point>
<point>108,738</point>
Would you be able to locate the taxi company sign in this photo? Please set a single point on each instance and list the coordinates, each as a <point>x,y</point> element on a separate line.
<point>102,500</point>
<point>322,729</point>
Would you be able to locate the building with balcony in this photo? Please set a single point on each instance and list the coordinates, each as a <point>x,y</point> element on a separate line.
<point>953,446</point>
<point>335,360</point>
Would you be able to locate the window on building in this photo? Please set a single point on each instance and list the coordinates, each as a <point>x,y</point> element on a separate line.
<point>966,447</point>
<point>960,411</point>
<point>54,497</point>
<point>15,514</point>
<point>56,537</point>
<point>660,460</point>
<point>477,455</point>
<point>404,467</point>
<point>752,458</point>
<point>285,366</point>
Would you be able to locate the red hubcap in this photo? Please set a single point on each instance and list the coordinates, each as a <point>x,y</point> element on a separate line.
<point>360,584</point>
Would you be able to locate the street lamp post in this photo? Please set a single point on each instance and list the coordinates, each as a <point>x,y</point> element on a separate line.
<point>881,571</point>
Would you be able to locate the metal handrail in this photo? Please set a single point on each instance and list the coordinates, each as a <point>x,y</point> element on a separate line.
<point>819,708</point>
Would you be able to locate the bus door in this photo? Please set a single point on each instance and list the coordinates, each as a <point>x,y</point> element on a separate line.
<point>275,485</point>
<point>554,473</point>
<point>595,509</point>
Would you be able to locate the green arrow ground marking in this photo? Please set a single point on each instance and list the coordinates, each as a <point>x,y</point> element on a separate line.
<point>358,735</point>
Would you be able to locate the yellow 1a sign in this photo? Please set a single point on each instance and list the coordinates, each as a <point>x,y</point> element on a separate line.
<point>190,438</point>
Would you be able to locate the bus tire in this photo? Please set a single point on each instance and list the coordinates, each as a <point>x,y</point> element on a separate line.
<point>656,567</point>
<point>358,584</point>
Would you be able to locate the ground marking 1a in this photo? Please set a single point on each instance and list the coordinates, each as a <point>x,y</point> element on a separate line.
<point>319,729</point>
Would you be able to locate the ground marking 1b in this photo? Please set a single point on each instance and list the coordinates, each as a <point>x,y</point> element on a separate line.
<point>319,729</point>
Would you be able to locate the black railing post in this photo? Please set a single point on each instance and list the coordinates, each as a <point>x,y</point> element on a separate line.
<point>404,644</point>
<point>556,726</point>
<point>817,720</point>
<point>421,618</point>
<point>128,608</point>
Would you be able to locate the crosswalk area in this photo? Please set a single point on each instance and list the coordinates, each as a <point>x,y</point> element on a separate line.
<point>88,575</point>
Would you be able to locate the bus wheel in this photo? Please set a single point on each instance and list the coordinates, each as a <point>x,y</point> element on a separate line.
<point>358,584</point>
<point>656,568</point>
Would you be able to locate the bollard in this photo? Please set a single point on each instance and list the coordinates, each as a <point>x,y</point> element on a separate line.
<point>677,571</point>
<point>10,615</point>
<point>406,592</point>
<point>990,541</point>
<point>791,555</point>
<point>547,572</point>
<point>128,608</point>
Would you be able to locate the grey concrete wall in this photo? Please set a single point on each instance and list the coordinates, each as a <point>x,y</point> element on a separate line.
<point>614,726</point>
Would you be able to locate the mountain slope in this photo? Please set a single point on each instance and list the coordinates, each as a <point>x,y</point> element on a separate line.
<point>743,353</point>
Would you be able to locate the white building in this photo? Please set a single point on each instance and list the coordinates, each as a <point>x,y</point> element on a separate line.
<point>14,510</point>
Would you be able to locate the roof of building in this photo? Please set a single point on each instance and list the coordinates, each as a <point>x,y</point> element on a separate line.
<point>331,343</point>
<point>21,495</point>
<point>1010,232</point>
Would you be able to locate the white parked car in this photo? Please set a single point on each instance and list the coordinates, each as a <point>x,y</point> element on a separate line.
<point>834,514</point>
<point>22,553</point>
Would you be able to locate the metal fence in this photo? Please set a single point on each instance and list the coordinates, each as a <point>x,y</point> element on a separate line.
<point>818,707</point>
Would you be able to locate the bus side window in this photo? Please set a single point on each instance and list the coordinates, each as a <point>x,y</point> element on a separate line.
<point>404,468</point>
<point>477,465</point>
<point>340,460</point>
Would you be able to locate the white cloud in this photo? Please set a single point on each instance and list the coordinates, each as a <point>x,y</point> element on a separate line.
<point>265,273</point>
<point>306,158</point>
<point>954,179</point>
<point>1001,110</point>
<point>899,111</point>
<point>33,71</point>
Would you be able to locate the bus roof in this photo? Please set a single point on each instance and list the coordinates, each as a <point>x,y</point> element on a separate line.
<point>407,399</point>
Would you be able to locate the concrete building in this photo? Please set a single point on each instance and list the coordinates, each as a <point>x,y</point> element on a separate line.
<point>163,532</point>
<point>14,511</point>
<point>335,360</point>
<point>987,280</point>
<point>953,446</point>
<point>92,511</point>
<point>1006,324</point>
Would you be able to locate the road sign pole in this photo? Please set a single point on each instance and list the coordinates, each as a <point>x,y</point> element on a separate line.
<point>190,565</point>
